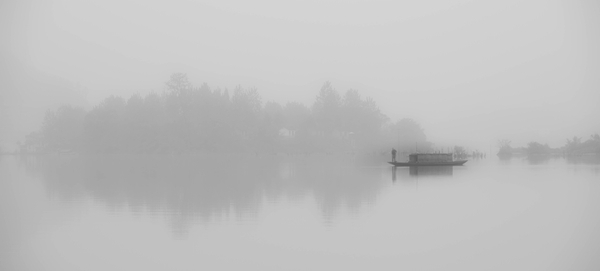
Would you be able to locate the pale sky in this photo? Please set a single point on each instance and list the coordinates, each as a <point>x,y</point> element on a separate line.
<point>471,72</point>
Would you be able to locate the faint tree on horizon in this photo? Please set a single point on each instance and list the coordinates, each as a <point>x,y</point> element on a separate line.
<point>410,136</point>
<point>62,129</point>
<point>535,148</point>
<point>504,146</point>
<point>326,109</point>
<point>178,83</point>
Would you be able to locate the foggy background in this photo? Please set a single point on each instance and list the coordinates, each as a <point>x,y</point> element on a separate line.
<point>470,73</point>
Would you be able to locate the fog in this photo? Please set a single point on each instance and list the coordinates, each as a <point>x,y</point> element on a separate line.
<point>469,72</point>
<point>256,135</point>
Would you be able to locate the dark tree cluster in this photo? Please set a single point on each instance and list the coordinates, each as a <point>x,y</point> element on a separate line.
<point>576,146</point>
<point>186,118</point>
<point>504,147</point>
<point>535,148</point>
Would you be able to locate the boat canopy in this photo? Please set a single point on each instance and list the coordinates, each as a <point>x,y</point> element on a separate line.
<point>430,157</point>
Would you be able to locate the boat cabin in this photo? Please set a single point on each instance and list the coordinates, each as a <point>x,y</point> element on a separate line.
<point>430,157</point>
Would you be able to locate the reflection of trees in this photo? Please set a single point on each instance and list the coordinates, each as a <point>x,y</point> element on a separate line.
<point>584,159</point>
<point>538,159</point>
<point>202,188</point>
<point>340,183</point>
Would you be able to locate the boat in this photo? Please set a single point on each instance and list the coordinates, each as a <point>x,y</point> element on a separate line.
<point>429,159</point>
<point>410,164</point>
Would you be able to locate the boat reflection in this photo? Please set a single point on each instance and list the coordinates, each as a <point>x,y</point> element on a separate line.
<point>431,171</point>
<point>415,172</point>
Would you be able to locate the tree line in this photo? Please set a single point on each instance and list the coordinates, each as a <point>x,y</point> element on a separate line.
<point>186,118</point>
<point>573,147</point>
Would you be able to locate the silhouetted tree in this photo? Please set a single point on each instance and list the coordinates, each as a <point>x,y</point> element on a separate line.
<point>179,84</point>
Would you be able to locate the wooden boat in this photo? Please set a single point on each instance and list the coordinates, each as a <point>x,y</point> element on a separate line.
<point>411,164</point>
<point>429,159</point>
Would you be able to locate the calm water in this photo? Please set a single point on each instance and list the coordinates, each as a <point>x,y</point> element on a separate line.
<point>313,212</point>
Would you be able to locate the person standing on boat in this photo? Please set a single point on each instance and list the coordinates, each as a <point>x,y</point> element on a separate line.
<point>393,155</point>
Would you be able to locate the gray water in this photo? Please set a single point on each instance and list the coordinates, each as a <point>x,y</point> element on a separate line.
<point>307,212</point>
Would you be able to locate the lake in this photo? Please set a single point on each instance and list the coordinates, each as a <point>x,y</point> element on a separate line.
<point>302,212</point>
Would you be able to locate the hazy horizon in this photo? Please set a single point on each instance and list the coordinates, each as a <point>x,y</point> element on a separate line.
<point>115,155</point>
<point>470,73</point>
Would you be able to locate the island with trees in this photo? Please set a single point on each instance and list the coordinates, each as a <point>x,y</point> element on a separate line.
<point>190,119</point>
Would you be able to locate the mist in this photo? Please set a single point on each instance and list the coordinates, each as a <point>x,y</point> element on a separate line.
<point>470,73</point>
<point>299,135</point>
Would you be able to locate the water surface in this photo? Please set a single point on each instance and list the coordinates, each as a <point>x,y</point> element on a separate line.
<point>308,212</point>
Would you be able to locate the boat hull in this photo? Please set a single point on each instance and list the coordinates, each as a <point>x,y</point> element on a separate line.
<point>419,164</point>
